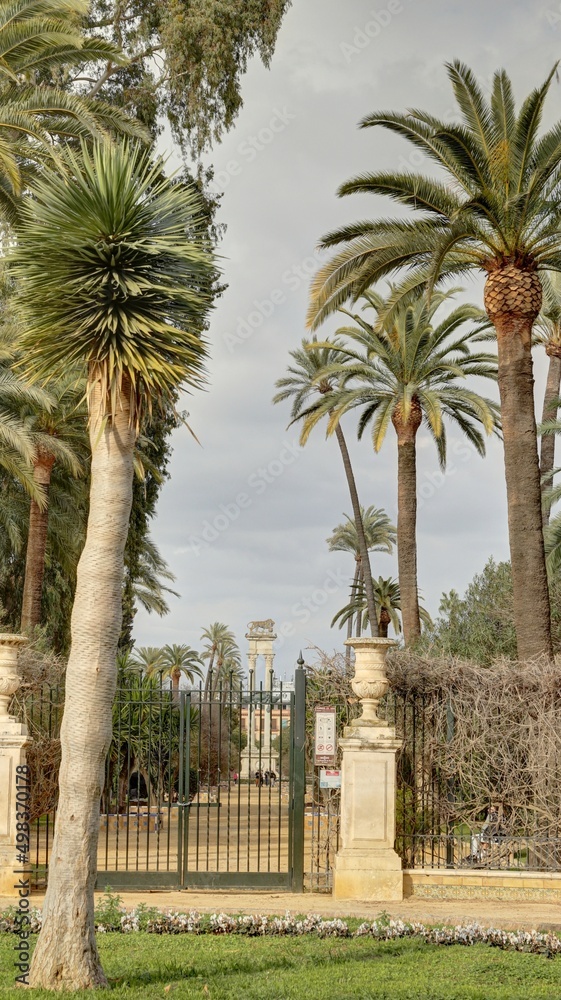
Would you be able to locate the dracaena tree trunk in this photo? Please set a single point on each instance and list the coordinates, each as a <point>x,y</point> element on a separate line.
<point>406,430</point>
<point>36,543</point>
<point>512,300</point>
<point>549,413</point>
<point>66,955</point>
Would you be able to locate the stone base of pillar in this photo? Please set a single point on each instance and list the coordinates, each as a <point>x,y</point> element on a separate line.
<point>367,866</point>
<point>374,876</point>
<point>13,740</point>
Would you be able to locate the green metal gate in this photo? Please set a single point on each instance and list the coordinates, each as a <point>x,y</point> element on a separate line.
<point>182,806</point>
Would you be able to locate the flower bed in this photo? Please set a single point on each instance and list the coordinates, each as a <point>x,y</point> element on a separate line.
<point>112,917</point>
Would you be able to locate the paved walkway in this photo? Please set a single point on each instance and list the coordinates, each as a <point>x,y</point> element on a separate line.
<point>508,915</point>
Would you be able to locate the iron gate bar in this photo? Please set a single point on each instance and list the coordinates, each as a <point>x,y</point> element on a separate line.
<point>299,777</point>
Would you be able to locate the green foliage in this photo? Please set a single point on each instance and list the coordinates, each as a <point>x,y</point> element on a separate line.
<point>492,201</point>
<point>108,910</point>
<point>186,59</point>
<point>128,247</point>
<point>480,625</point>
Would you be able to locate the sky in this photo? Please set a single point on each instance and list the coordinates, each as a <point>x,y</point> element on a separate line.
<point>244,518</point>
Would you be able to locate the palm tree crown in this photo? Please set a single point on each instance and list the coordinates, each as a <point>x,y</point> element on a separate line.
<point>495,208</point>
<point>404,370</point>
<point>301,384</point>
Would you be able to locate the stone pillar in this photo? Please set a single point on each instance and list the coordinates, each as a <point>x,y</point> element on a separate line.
<point>367,866</point>
<point>13,740</point>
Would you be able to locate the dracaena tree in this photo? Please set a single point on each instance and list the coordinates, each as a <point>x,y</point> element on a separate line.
<point>114,274</point>
<point>492,208</point>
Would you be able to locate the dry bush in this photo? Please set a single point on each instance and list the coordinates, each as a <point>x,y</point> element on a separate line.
<point>504,747</point>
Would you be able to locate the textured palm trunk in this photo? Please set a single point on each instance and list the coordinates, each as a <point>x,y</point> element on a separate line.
<point>364,556</point>
<point>36,543</point>
<point>407,520</point>
<point>385,620</point>
<point>549,413</point>
<point>66,955</point>
<point>512,301</point>
<point>354,588</point>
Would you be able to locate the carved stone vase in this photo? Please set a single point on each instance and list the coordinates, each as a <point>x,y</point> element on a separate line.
<point>370,682</point>
<point>10,680</point>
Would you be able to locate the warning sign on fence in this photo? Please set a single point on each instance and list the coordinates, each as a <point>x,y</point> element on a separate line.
<point>325,736</point>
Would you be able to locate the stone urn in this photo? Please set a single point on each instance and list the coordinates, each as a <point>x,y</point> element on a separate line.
<point>10,680</point>
<point>370,680</point>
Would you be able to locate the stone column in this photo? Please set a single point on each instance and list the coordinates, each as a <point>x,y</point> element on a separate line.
<point>268,695</point>
<point>367,866</point>
<point>250,753</point>
<point>13,740</point>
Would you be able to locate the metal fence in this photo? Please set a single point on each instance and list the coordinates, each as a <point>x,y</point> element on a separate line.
<point>437,825</point>
<point>185,801</point>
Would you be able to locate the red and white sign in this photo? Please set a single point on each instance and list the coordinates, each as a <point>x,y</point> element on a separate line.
<point>325,735</point>
<point>329,779</point>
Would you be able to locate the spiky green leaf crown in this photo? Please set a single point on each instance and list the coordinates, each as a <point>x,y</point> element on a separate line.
<point>114,272</point>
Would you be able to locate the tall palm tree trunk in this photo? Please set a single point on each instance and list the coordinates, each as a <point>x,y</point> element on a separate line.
<point>549,413</point>
<point>512,301</point>
<point>364,556</point>
<point>66,955</point>
<point>354,587</point>
<point>36,543</point>
<point>407,520</point>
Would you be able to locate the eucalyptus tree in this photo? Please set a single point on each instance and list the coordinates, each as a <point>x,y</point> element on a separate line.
<point>380,536</point>
<point>408,370</point>
<point>113,274</point>
<point>302,383</point>
<point>185,62</point>
<point>494,209</point>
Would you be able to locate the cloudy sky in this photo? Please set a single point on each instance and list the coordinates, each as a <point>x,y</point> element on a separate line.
<point>244,519</point>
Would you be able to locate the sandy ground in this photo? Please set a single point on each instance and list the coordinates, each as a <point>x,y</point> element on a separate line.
<point>508,915</point>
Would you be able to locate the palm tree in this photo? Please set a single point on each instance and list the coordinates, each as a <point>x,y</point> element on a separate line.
<point>38,38</point>
<point>114,275</point>
<point>496,210</point>
<point>388,603</point>
<point>59,436</point>
<point>407,371</point>
<point>380,536</point>
<point>148,587</point>
<point>177,660</point>
<point>221,648</point>
<point>147,659</point>
<point>300,385</point>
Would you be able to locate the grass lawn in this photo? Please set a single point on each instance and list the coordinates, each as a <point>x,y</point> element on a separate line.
<point>233,967</point>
